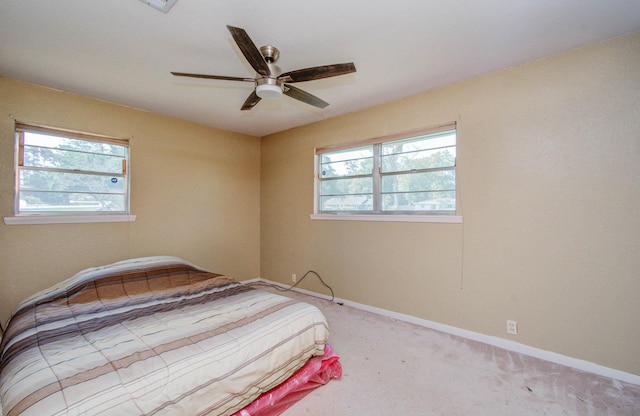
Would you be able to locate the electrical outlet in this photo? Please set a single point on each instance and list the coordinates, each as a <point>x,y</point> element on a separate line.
<point>512,327</point>
<point>294,277</point>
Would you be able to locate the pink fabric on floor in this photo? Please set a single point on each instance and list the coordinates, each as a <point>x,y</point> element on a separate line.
<point>316,372</point>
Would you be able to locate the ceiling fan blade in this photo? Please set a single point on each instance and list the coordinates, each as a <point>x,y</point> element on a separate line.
<point>318,72</point>
<point>249,50</point>
<point>185,74</point>
<point>251,101</point>
<point>304,96</point>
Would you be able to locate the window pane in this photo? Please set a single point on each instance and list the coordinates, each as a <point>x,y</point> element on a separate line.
<point>31,180</point>
<point>346,203</point>
<point>347,162</point>
<point>346,186</point>
<point>71,160</point>
<point>432,141</point>
<point>57,142</point>
<point>424,159</point>
<point>427,152</point>
<point>348,168</point>
<point>419,201</point>
<point>33,201</point>
<point>423,181</point>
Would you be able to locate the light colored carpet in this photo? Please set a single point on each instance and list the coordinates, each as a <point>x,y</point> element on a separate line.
<point>392,367</point>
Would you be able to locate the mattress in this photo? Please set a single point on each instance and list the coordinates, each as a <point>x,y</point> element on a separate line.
<point>152,336</point>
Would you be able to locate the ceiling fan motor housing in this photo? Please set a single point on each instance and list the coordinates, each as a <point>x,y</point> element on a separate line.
<point>270,87</point>
<point>270,53</point>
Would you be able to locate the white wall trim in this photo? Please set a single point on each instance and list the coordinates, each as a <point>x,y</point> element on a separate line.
<point>479,337</point>
<point>450,219</point>
<point>66,219</point>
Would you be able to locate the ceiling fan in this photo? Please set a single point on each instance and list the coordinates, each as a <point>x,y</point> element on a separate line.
<point>270,82</point>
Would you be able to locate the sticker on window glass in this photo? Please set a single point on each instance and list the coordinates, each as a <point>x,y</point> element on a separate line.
<point>114,180</point>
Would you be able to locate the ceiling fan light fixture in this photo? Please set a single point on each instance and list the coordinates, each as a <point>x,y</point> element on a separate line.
<point>269,89</point>
<point>162,5</point>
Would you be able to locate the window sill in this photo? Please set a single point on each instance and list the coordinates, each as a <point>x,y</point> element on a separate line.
<point>450,219</point>
<point>66,219</point>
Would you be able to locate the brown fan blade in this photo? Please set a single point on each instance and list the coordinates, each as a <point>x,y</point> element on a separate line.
<point>318,72</point>
<point>249,50</point>
<point>184,74</point>
<point>304,96</point>
<point>251,101</point>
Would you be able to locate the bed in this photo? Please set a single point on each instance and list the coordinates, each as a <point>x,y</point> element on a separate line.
<point>160,336</point>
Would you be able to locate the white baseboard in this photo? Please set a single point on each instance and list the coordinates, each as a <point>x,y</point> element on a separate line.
<point>479,337</point>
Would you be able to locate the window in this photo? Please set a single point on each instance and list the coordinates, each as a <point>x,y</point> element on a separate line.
<point>404,174</point>
<point>60,172</point>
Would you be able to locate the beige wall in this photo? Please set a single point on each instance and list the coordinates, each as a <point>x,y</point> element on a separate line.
<point>195,191</point>
<point>549,188</point>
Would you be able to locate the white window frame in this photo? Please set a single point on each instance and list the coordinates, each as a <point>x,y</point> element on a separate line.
<point>377,214</point>
<point>73,216</point>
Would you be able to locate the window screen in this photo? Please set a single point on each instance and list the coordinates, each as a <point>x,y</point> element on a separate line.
<point>62,172</point>
<point>405,174</point>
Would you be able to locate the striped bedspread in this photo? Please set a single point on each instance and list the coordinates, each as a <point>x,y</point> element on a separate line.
<point>152,336</point>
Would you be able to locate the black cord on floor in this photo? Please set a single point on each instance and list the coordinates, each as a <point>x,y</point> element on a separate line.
<point>295,284</point>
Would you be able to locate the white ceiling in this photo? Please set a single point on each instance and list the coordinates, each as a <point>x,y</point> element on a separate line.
<point>122,50</point>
